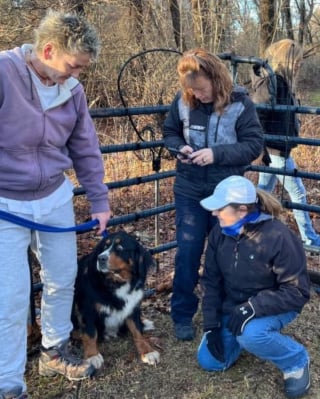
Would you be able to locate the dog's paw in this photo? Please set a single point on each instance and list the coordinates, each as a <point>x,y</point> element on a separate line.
<point>111,332</point>
<point>110,335</point>
<point>151,358</point>
<point>147,325</point>
<point>96,361</point>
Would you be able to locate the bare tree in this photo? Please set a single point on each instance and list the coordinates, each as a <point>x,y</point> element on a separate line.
<point>196,19</point>
<point>136,10</point>
<point>176,23</point>
<point>286,14</point>
<point>267,22</point>
<point>210,23</point>
<point>305,16</point>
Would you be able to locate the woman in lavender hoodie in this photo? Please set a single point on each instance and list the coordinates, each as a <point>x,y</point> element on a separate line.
<point>45,129</point>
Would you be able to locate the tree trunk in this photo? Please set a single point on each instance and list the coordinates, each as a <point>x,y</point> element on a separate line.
<point>136,9</point>
<point>287,18</point>
<point>209,23</point>
<point>304,16</point>
<point>176,24</point>
<point>267,24</point>
<point>196,19</point>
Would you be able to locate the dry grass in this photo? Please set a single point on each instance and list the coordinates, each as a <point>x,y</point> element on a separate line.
<point>178,376</point>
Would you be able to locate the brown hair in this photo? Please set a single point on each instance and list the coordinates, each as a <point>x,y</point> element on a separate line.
<point>198,62</point>
<point>267,203</point>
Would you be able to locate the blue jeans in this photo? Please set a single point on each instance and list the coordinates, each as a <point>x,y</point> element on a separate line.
<point>297,192</point>
<point>192,226</point>
<point>262,338</point>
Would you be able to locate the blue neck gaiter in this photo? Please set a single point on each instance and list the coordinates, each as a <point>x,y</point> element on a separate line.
<point>234,230</point>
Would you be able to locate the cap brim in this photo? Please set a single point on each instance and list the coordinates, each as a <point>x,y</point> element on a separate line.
<point>212,204</point>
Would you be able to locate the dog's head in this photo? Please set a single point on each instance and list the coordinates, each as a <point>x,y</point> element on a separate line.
<point>122,258</point>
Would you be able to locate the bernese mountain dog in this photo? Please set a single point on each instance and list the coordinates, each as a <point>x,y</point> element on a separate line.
<point>108,293</point>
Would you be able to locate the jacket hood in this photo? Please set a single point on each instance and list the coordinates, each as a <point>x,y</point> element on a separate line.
<point>261,218</point>
<point>238,93</point>
<point>17,56</point>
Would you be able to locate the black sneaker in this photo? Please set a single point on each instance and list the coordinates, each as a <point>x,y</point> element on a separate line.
<point>184,332</point>
<point>297,384</point>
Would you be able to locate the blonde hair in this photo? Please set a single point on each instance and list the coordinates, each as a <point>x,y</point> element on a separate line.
<point>69,33</point>
<point>268,203</point>
<point>283,56</point>
<point>199,62</point>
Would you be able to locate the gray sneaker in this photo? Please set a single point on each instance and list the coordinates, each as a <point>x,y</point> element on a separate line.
<point>58,360</point>
<point>15,393</point>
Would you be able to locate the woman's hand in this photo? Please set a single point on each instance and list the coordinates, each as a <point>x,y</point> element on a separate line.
<point>202,157</point>
<point>103,218</point>
<point>185,150</point>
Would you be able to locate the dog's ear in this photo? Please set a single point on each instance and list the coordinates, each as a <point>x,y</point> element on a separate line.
<point>144,260</point>
<point>105,241</point>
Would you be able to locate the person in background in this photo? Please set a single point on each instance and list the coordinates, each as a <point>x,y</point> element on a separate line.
<point>255,282</point>
<point>285,58</point>
<point>51,132</point>
<point>216,128</point>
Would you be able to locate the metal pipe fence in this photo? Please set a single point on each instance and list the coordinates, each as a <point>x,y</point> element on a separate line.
<point>144,202</point>
<point>169,174</point>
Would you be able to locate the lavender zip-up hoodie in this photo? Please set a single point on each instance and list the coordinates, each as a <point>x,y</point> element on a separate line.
<point>37,146</point>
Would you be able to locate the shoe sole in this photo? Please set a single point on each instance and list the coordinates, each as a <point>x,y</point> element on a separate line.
<point>299,393</point>
<point>184,333</point>
<point>52,373</point>
<point>302,392</point>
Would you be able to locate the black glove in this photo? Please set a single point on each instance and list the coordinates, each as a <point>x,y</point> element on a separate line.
<point>239,317</point>
<point>266,157</point>
<point>215,344</point>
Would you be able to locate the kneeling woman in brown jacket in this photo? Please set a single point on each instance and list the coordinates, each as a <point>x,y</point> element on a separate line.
<point>255,282</point>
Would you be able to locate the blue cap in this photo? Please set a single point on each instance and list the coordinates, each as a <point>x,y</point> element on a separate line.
<point>232,190</point>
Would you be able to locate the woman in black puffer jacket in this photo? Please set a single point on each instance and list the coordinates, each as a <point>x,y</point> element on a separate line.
<point>216,126</point>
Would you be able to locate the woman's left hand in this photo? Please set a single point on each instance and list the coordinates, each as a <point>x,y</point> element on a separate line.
<point>202,157</point>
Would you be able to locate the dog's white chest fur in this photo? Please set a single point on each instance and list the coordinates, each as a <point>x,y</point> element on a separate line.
<point>114,317</point>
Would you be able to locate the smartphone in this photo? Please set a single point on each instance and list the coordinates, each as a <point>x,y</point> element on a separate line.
<point>175,152</point>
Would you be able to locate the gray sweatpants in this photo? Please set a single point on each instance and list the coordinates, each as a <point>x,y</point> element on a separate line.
<point>57,254</point>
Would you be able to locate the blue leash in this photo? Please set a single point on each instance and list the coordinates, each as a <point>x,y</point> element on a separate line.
<point>9,217</point>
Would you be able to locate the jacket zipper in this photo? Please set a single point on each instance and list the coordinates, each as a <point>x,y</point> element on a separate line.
<point>216,130</point>
<point>206,145</point>
<point>214,139</point>
<point>236,253</point>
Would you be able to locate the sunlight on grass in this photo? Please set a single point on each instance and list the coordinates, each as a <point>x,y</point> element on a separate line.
<point>314,98</point>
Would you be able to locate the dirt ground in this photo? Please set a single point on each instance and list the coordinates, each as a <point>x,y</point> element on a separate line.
<point>178,376</point>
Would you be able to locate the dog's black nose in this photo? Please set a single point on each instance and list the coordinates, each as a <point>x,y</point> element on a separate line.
<point>103,257</point>
<point>103,263</point>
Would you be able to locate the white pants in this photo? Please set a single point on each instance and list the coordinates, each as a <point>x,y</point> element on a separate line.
<point>57,253</point>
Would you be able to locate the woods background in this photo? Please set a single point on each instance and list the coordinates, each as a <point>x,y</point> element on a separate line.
<point>128,74</point>
<point>127,27</point>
